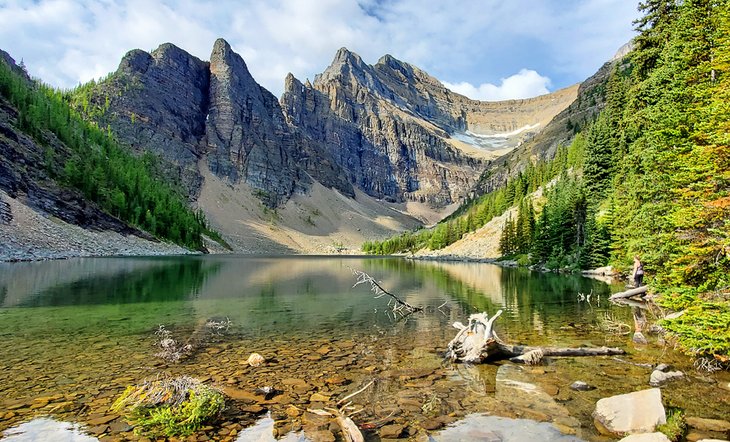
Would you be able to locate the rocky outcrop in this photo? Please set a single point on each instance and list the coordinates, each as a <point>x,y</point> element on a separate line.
<point>183,109</point>
<point>247,136</point>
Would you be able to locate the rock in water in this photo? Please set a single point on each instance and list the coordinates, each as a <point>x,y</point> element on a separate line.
<point>658,377</point>
<point>637,412</point>
<point>581,386</point>
<point>255,360</point>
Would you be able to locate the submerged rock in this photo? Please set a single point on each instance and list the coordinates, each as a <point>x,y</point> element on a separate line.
<point>255,359</point>
<point>581,386</point>
<point>708,424</point>
<point>661,375</point>
<point>637,412</point>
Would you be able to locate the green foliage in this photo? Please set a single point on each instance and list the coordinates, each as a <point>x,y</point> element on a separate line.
<point>169,407</point>
<point>676,426</point>
<point>703,329</point>
<point>101,168</point>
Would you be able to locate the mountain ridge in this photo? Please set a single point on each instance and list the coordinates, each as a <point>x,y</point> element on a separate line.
<point>389,132</point>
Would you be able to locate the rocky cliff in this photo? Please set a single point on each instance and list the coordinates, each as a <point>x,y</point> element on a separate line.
<point>400,135</point>
<point>388,129</point>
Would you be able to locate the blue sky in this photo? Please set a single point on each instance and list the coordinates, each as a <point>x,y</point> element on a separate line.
<point>486,49</point>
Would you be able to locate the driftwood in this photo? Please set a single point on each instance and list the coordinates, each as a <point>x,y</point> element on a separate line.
<point>477,342</point>
<point>630,293</point>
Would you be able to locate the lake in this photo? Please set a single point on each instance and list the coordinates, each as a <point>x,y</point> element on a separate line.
<point>76,332</point>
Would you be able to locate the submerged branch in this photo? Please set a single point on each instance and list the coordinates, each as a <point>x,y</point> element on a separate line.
<point>399,305</point>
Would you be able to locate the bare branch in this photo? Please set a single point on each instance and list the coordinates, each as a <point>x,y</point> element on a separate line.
<point>355,393</point>
<point>398,304</point>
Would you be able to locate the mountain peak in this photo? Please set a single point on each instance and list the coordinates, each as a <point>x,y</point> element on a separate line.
<point>168,50</point>
<point>344,55</point>
<point>223,58</point>
<point>388,59</point>
<point>221,46</point>
<point>345,63</point>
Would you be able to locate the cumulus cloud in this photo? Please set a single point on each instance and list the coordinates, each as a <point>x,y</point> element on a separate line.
<point>524,84</point>
<point>70,41</point>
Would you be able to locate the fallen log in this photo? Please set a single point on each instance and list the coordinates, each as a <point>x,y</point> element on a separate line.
<point>629,293</point>
<point>477,342</point>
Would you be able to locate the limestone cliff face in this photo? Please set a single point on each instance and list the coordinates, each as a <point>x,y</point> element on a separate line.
<point>172,104</point>
<point>388,129</point>
<point>392,127</point>
<point>247,137</point>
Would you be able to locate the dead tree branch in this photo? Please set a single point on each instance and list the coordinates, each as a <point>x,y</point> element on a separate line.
<point>477,342</point>
<point>399,305</point>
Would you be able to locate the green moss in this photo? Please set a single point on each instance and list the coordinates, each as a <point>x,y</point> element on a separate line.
<point>169,407</point>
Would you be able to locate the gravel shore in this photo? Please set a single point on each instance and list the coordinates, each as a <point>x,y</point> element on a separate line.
<point>27,235</point>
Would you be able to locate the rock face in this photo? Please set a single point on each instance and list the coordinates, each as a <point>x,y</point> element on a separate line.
<point>248,138</point>
<point>388,129</point>
<point>399,133</point>
<point>157,102</point>
<point>637,412</point>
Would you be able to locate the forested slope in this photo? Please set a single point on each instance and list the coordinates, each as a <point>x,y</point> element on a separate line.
<point>87,162</point>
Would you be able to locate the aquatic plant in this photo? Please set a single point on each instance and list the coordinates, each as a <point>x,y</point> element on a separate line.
<point>169,406</point>
<point>675,426</point>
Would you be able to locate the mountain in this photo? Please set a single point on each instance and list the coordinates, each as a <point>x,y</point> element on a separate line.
<point>68,189</point>
<point>401,135</point>
<point>362,152</point>
<point>387,136</point>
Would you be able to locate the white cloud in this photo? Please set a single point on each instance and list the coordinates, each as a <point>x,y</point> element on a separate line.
<point>525,84</point>
<point>70,41</point>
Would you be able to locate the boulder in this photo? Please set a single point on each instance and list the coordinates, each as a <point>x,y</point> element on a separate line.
<point>646,437</point>
<point>637,412</point>
<point>659,377</point>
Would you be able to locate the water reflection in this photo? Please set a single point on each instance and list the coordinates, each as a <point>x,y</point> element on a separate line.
<point>44,429</point>
<point>492,428</point>
<point>102,281</point>
<point>264,295</point>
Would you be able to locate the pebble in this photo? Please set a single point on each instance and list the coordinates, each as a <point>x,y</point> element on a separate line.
<point>318,397</point>
<point>391,431</point>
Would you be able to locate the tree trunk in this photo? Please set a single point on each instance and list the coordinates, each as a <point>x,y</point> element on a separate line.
<point>630,293</point>
<point>477,342</point>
